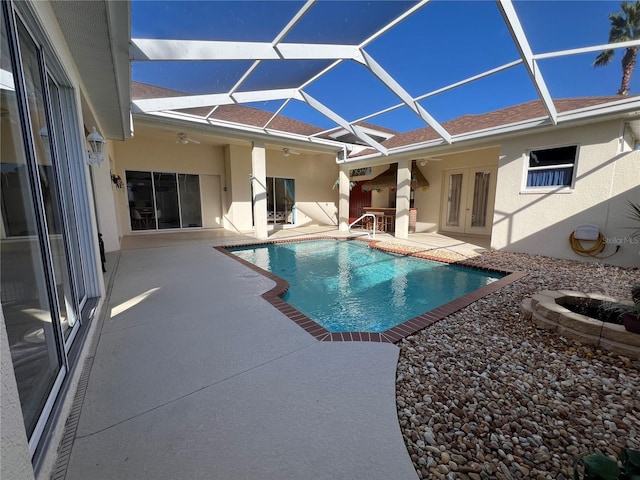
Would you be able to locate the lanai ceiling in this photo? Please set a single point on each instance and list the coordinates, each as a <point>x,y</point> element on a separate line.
<point>348,64</point>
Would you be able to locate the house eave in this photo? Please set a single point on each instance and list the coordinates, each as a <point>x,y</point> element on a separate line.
<point>238,131</point>
<point>628,108</point>
<point>98,34</point>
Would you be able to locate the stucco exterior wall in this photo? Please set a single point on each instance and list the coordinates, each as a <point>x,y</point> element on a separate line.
<point>429,202</point>
<point>314,175</point>
<point>540,223</point>
<point>148,151</point>
<point>316,200</point>
<point>105,193</point>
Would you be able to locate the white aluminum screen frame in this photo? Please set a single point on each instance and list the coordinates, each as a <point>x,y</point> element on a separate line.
<point>190,50</point>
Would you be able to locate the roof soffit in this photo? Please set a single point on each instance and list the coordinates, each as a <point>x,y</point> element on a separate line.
<point>98,33</point>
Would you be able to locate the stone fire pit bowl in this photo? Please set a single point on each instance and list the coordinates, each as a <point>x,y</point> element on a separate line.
<point>547,309</point>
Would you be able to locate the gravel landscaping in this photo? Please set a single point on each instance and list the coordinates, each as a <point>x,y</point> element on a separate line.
<point>485,394</point>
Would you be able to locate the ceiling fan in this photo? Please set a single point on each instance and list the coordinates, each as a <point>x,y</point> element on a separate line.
<point>287,151</point>
<point>183,138</point>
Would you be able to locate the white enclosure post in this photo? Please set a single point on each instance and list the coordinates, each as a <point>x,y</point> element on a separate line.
<point>403,192</point>
<point>343,202</point>
<point>259,186</point>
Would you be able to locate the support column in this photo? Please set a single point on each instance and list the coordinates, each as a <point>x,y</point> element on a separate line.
<point>259,186</point>
<point>403,192</point>
<point>343,202</point>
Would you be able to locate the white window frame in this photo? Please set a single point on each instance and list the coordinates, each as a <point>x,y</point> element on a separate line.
<point>13,14</point>
<point>525,189</point>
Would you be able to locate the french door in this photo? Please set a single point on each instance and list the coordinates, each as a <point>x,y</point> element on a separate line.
<point>468,198</point>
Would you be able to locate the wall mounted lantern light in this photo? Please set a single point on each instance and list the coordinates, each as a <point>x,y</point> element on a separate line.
<point>96,143</point>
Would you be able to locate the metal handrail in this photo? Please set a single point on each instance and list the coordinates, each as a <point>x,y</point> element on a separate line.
<point>375,222</point>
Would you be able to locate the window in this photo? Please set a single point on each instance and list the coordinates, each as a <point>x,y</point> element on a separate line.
<point>552,167</point>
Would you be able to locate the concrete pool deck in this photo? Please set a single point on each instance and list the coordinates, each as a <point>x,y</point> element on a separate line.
<point>194,375</point>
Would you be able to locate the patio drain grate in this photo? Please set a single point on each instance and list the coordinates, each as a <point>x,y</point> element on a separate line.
<point>71,427</point>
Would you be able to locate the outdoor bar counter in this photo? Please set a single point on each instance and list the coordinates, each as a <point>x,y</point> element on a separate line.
<point>388,218</point>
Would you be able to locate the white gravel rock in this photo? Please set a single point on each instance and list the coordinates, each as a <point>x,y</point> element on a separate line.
<point>501,399</point>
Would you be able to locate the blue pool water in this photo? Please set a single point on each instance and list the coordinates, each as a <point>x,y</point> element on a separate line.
<point>345,286</point>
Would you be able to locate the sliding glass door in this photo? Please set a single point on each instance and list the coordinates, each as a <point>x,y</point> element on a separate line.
<point>141,200</point>
<point>190,203</point>
<point>47,263</point>
<point>163,200</point>
<point>34,340</point>
<point>281,193</point>
<point>165,188</point>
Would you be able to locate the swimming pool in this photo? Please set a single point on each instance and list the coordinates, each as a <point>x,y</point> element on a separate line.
<point>346,286</point>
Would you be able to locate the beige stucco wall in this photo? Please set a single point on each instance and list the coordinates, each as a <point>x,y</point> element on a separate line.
<point>429,202</point>
<point>540,223</point>
<point>153,150</point>
<point>105,193</point>
<point>314,175</point>
<point>150,150</point>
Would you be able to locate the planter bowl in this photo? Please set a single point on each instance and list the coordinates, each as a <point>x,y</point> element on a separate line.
<point>631,322</point>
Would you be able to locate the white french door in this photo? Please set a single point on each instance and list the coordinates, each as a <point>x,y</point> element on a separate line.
<point>467,202</point>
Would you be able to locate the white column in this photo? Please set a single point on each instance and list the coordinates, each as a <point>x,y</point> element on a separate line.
<point>259,184</point>
<point>343,201</point>
<point>403,191</point>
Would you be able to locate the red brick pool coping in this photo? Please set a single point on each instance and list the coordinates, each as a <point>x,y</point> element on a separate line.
<point>391,335</point>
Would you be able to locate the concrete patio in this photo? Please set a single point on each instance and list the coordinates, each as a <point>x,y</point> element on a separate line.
<point>194,375</point>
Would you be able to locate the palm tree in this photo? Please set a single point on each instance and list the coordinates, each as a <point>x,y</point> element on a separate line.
<point>625,26</point>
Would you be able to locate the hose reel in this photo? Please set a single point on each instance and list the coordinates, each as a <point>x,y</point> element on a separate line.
<point>589,233</point>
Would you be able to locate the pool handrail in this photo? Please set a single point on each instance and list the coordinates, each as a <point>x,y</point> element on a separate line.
<point>375,221</point>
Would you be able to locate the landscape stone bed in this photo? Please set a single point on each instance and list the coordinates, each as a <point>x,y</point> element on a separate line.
<point>552,310</point>
<point>485,393</point>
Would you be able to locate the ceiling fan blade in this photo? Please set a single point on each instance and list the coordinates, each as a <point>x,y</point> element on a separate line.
<point>287,151</point>
<point>183,138</point>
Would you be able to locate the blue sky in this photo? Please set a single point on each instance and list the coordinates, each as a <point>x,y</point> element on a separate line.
<point>444,42</point>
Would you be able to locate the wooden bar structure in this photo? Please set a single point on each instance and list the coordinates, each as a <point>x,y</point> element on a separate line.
<point>386,218</point>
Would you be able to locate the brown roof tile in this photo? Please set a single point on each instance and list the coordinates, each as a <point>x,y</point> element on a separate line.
<point>140,91</point>
<point>464,124</point>
<point>229,113</point>
<point>471,123</point>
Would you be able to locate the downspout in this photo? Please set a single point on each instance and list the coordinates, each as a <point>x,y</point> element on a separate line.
<point>344,155</point>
